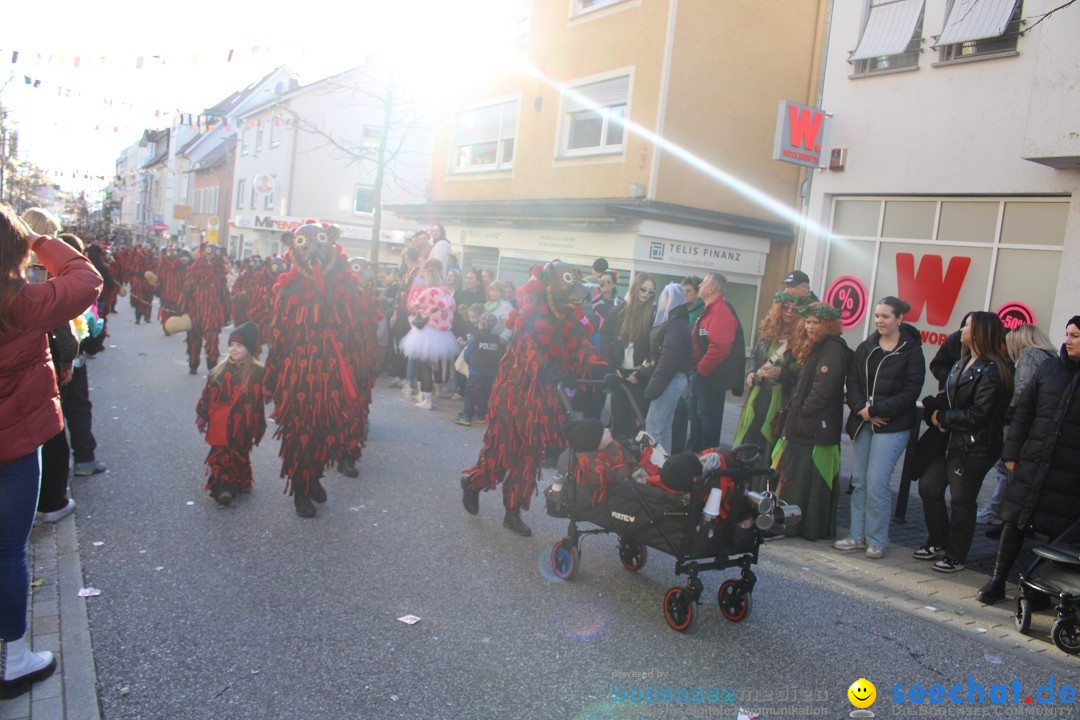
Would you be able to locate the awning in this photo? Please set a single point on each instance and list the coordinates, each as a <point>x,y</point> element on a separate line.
<point>975,20</point>
<point>889,28</point>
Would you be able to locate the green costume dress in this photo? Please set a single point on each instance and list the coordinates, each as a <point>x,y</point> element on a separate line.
<point>765,399</point>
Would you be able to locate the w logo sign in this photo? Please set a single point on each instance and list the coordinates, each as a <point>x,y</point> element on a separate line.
<point>929,287</point>
<point>800,132</point>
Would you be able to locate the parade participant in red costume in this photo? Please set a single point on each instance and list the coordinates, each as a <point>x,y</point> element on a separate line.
<point>261,296</point>
<point>363,354</point>
<point>309,367</point>
<point>140,260</point>
<point>550,343</point>
<point>170,282</point>
<point>240,294</point>
<point>230,412</point>
<point>205,300</point>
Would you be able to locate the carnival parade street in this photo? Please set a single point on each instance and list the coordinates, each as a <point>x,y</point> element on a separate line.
<point>248,611</point>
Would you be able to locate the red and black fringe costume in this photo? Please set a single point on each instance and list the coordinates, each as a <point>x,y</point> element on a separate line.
<point>241,291</point>
<point>142,292</point>
<point>228,467</point>
<point>170,285</point>
<point>595,471</point>
<point>525,415</point>
<point>261,295</point>
<point>309,368</point>
<point>366,347</point>
<point>206,299</point>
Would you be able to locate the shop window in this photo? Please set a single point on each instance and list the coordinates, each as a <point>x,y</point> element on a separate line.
<point>1035,223</point>
<point>1011,286</point>
<point>594,117</point>
<point>583,7</point>
<point>364,200</point>
<point>370,139</point>
<point>258,135</point>
<point>244,141</point>
<point>857,217</point>
<point>892,37</point>
<point>909,219</point>
<point>484,137</point>
<point>976,28</point>
<point>968,221</point>
<point>268,200</point>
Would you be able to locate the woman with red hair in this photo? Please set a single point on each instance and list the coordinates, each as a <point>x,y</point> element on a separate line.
<point>808,454</point>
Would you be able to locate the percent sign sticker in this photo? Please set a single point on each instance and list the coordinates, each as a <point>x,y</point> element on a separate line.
<point>849,295</point>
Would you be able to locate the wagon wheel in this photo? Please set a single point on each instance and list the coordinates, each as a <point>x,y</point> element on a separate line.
<point>678,609</point>
<point>633,555</point>
<point>565,559</point>
<point>735,604</point>
<point>1066,635</point>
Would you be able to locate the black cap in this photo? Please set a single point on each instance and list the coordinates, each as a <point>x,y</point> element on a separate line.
<point>796,277</point>
<point>248,336</point>
<point>680,470</point>
<point>599,265</point>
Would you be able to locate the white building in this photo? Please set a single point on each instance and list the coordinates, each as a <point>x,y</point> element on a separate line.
<point>957,163</point>
<point>309,152</point>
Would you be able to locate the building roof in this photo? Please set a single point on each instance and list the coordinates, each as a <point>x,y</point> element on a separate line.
<point>217,156</point>
<point>613,213</point>
<point>157,159</point>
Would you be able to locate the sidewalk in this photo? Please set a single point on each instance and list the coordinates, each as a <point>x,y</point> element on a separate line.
<point>57,621</point>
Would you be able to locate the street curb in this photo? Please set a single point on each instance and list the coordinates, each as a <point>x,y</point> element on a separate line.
<point>79,670</point>
<point>883,583</point>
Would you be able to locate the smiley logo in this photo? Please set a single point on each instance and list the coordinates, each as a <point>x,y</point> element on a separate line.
<point>862,693</point>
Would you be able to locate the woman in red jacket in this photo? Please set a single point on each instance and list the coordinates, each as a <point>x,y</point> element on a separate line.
<point>29,415</point>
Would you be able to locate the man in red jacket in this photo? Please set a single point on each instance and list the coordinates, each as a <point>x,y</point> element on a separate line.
<point>712,337</point>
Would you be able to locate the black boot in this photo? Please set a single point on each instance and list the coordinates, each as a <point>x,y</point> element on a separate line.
<point>316,491</point>
<point>304,507</point>
<point>1012,540</point>
<point>347,467</point>
<point>470,498</point>
<point>193,370</point>
<point>512,522</point>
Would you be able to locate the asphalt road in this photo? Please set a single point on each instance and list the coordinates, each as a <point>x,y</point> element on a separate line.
<point>251,612</point>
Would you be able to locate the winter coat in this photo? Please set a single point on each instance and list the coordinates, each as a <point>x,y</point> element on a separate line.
<point>483,353</point>
<point>972,408</point>
<point>947,355</point>
<point>29,399</point>
<point>712,336</point>
<point>894,390</point>
<point>1044,440</point>
<point>671,351</point>
<point>612,349</point>
<point>436,304</point>
<point>815,410</point>
<point>1029,361</point>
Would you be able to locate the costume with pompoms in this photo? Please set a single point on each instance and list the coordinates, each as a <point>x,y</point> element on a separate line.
<point>140,260</point>
<point>525,417</point>
<point>260,309</point>
<point>170,282</point>
<point>310,365</point>
<point>240,294</point>
<point>205,299</point>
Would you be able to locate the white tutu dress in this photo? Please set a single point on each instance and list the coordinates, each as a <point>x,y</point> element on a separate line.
<point>435,341</point>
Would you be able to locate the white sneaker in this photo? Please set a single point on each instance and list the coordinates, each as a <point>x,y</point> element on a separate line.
<point>58,515</point>
<point>849,544</point>
<point>396,383</point>
<point>874,552</point>
<point>424,403</point>
<point>22,668</point>
<point>407,392</point>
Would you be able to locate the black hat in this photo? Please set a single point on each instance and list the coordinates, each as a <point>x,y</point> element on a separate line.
<point>585,435</point>
<point>679,471</point>
<point>599,265</point>
<point>795,277</point>
<point>248,336</point>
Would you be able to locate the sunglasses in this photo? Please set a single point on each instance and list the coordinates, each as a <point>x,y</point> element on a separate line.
<point>647,291</point>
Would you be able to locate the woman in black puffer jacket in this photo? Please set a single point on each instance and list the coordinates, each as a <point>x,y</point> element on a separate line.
<point>972,411</point>
<point>672,358</point>
<point>1043,453</point>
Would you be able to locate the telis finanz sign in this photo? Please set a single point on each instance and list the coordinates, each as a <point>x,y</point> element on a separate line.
<point>800,134</point>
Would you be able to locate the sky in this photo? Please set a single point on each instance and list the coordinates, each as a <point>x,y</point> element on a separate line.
<point>101,73</point>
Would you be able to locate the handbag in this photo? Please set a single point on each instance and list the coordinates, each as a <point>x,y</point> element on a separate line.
<point>419,322</point>
<point>460,365</point>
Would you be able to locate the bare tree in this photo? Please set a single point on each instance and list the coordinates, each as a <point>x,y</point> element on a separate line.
<point>374,91</point>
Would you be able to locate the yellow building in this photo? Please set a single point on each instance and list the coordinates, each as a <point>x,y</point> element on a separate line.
<point>539,164</point>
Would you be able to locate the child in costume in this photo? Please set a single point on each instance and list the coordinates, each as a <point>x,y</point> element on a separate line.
<point>482,355</point>
<point>230,412</point>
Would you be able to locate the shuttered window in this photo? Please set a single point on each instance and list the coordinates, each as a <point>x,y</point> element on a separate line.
<point>594,116</point>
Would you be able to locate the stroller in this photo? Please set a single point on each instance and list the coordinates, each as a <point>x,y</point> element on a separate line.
<point>1054,574</point>
<point>700,535</point>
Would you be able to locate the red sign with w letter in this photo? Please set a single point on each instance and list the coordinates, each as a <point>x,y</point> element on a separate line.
<point>800,133</point>
<point>929,287</point>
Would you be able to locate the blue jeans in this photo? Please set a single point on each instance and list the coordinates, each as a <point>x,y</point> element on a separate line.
<point>662,410</point>
<point>708,408</point>
<point>19,484</point>
<point>874,457</point>
<point>999,475</point>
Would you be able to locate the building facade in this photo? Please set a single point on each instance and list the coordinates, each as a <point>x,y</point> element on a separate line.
<point>637,131</point>
<point>955,180</point>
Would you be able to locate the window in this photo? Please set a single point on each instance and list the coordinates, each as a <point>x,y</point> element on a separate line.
<point>484,137</point>
<point>364,200</point>
<point>892,37</point>
<point>979,27</point>
<point>275,134</point>
<point>239,194</point>
<point>268,199</point>
<point>370,139</point>
<point>594,117</point>
<point>581,7</point>
<point>258,135</point>
<point>252,205</point>
<point>244,141</point>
